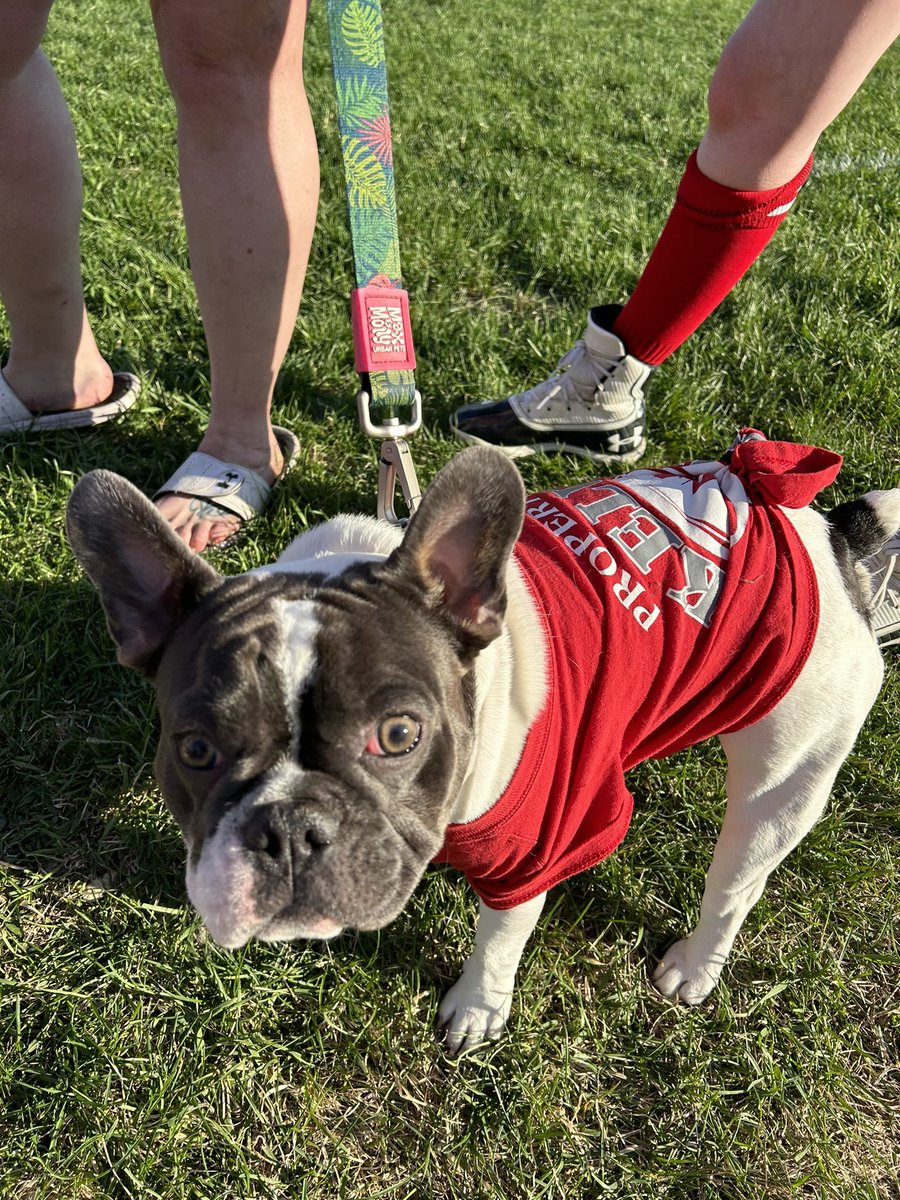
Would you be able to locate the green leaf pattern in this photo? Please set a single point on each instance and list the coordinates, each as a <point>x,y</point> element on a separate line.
<point>360,75</point>
<point>365,175</point>
<point>358,100</point>
<point>362,33</point>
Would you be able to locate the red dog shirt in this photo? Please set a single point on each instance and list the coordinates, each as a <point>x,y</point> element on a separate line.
<point>678,604</point>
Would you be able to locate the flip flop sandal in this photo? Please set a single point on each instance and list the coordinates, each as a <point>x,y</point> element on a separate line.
<point>16,418</point>
<point>231,489</point>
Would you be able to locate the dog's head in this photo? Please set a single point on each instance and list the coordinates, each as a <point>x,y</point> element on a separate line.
<point>315,728</point>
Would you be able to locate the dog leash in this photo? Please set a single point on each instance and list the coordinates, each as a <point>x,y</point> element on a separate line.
<point>379,305</point>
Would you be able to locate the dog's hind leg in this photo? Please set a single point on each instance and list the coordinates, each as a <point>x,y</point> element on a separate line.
<point>780,773</point>
<point>767,815</point>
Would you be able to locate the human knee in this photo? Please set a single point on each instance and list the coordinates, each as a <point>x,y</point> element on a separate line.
<point>216,53</point>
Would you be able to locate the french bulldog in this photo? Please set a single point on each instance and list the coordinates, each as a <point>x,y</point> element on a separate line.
<point>472,692</point>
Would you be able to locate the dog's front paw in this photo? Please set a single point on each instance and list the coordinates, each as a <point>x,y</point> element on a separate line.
<point>471,1013</point>
<point>686,974</point>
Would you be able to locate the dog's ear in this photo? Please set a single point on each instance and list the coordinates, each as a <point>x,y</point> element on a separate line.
<point>457,546</point>
<point>147,578</point>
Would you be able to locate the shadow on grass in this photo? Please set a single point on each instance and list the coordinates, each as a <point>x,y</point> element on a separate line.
<point>138,455</point>
<point>78,736</point>
<point>148,457</point>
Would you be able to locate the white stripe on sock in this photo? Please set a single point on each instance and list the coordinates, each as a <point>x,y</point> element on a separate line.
<point>782,208</point>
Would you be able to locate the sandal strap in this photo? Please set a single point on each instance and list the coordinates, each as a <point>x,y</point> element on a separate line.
<point>234,489</point>
<point>11,407</point>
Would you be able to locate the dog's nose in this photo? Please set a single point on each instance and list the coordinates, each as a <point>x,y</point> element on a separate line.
<point>281,830</point>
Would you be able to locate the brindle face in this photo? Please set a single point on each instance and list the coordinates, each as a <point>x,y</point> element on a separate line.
<point>315,730</point>
<point>313,740</point>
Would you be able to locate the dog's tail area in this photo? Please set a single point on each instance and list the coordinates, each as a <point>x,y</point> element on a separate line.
<point>862,526</point>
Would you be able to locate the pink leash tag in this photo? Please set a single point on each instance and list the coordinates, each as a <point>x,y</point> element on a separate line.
<point>382,335</point>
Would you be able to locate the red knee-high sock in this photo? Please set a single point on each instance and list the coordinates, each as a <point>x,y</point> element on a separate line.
<point>712,236</point>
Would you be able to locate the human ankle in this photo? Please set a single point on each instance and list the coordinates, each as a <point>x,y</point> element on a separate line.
<point>262,456</point>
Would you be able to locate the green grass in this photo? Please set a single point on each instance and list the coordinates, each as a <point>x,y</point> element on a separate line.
<point>537,151</point>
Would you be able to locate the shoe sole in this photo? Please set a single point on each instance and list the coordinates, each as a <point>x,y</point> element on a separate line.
<point>555,447</point>
<point>78,418</point>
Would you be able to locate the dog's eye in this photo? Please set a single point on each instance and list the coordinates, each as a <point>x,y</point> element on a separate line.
<point>197,753</point>
<point>395,736</point>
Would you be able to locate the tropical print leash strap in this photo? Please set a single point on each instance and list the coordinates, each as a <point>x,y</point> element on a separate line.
<point>384,354</point>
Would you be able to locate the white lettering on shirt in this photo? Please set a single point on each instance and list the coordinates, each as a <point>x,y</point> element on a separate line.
<point>643,540</point>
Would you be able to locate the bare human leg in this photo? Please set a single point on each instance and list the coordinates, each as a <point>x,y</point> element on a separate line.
<point>790,68</point>
<point>54,363</point>
<point>250,184</point>
<point>786,73</point>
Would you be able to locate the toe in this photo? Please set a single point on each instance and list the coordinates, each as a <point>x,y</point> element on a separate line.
<point>221,531</point>
<point>199,536</point>
<point>178,515</point>
<point>667,980</point>
<point>195,528</point>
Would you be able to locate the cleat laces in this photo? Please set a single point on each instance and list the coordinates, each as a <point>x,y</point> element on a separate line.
<point>579,352</point>
<point>886,601</point>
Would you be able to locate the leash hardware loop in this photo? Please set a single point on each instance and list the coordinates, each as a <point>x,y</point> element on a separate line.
<point>391,427</point>
<point>396,466</point>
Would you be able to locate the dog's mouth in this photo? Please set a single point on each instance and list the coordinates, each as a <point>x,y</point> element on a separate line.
<point>234,918</point>
<point>239,901</point>
<point>294,877</point>
<point>298,922</point>
<point>232,925</point>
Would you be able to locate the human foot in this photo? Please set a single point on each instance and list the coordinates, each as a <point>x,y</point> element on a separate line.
<point>591,405</point>
<point>221,487</point>
<point>78,408</point>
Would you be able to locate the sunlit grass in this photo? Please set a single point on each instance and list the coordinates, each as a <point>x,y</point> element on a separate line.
<point>537,151</point>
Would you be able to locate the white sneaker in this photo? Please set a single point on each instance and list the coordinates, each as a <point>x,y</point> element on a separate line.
<point>592,404</point>
<point>884,567</point>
